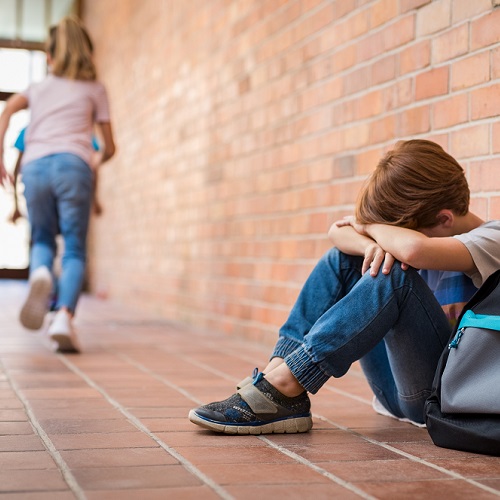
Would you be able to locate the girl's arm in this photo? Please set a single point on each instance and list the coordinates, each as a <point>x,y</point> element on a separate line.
<point>108,149</point>
<point>13,105</point>
<point>16,214</point>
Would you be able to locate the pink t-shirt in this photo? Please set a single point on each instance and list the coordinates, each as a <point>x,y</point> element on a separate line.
<point>63,113</point>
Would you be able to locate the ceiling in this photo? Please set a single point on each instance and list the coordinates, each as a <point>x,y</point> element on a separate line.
<point>24,23</point>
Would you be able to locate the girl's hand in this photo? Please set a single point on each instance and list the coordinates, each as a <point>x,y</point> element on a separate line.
<point>15,215</point>
<point>5,178</point>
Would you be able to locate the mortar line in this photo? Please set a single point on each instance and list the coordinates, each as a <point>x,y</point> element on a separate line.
<point>137,423</point>
<point>317,468</point>
<point>411,457</point>
<point>49,445</point>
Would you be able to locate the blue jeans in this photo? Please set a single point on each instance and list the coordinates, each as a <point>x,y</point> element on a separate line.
<point>58,192</point>
<point>392,323</point>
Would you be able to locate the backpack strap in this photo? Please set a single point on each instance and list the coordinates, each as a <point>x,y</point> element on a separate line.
<point>471,319</point>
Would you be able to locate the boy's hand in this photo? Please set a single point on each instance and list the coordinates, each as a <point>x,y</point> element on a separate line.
<point>350,220</point>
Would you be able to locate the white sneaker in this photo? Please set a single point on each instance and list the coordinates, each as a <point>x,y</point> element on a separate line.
<point>62,333</point>
<point>37,303</point>
<point>382,410</point>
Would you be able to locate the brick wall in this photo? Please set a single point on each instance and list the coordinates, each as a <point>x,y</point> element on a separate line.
<point>246,127</point>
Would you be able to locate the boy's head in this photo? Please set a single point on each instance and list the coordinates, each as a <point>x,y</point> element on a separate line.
<point>411,184</point>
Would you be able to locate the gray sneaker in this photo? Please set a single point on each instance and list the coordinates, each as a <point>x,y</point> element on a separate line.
<point>257,408</point>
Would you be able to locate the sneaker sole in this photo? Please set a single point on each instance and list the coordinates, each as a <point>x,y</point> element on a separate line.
<point>286,426</point>
<point>37,305</point>
<point>64,343</point>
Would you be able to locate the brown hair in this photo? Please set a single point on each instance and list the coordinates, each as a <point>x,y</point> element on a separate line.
<point>70,48</point>
<point>411,184</point>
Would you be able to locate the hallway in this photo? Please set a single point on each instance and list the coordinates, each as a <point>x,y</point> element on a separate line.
<point>112,423</point>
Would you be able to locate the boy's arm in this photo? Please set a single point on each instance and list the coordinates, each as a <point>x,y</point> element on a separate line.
<point>420,251</point>
<point>349,241</point>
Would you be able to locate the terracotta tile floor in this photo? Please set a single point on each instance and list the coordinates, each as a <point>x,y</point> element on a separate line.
<point>111,423</point>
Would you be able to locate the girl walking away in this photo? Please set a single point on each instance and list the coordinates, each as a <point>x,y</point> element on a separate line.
<point>57,171</point>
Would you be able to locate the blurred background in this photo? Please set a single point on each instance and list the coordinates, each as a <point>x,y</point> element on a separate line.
<point>245,128</point>
<point>23,29</point>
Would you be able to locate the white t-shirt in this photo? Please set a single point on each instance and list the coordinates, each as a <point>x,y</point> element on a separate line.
<point>63,113</point>
<point>483,244</point>
<point>454,289</point>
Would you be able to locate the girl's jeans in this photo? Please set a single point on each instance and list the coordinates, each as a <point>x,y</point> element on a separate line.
<point>392,323</point>
<point>58,192</point>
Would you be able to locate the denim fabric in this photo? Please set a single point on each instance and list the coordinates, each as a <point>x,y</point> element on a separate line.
<point>58,192</point>
<point>392,323</point>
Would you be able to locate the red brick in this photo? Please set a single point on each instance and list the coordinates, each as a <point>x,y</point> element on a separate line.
<point>484,176</point>
<point>371,46</point>
<point>368,160</point>
<point>344,58</point>
<point>258,108</point>
<point>384,70</point>
<point>479,206</point>
<point>485,102</point>
<point>383,129</point>
<point>356,136</point>
<point>433,17</point>
<point>451,111</point>
<point>370,104</point>
<point>343,7</point>
<point>351,27</point>
<point>470,141</point>
<point>414,121</point>
<point>415,57</point>
<point>383,11</point>
<point>399,33</point>
<point>406,5</point>
<point>495,64</point>
<point>496,137</point>
<point>494,212</point>
<point>470,71</point>
<point>399,94</point>
<point>465,9</point>
<point>432,83</point>
<point>484,31</point>
<point>451,44</point>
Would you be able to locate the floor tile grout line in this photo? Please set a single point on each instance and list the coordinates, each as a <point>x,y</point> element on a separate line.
<point>346,484</point>
<point>151,373</point>
<point>137,423</point>
<point>281,449</point>
<point>411,457</point>
<point>49,445</point>
<point>320,417</point>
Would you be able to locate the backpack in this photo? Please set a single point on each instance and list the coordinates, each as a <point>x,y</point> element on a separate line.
<point>463,410</point>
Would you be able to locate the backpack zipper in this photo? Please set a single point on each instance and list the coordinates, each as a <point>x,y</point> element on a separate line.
<point>456,339</point>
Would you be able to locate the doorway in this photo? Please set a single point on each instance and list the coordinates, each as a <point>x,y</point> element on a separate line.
<point>20,68</point>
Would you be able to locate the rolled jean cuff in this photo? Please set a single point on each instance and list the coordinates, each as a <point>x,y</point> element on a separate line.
<point>284,347</point>
<point>309,375</point>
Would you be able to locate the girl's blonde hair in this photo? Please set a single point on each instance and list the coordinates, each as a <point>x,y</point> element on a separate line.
<point>411,184</point>
<point>70,48</point>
